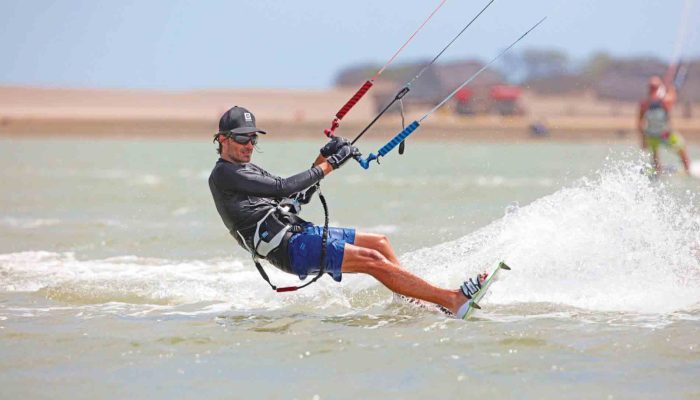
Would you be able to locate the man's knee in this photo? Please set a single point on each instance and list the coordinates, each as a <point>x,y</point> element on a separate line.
<point>381,241</point>
<point>367,260</point>
<point>373,255</point>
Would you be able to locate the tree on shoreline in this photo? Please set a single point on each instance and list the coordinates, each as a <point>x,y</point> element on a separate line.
<point>551,72</point>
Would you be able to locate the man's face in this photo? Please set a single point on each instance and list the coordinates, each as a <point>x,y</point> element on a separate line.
<point>656,87</point>
<point>239,147</point>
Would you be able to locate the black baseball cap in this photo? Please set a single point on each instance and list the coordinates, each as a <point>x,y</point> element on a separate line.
<point>238,120</point>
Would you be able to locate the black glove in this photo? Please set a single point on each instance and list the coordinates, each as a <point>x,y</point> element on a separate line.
<point>333,146</point>
<point>342,155</point>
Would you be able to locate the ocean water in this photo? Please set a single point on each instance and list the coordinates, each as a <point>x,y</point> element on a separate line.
<point>118,279</point>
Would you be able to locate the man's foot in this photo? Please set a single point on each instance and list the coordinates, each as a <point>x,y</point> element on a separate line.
<point>471,286</point>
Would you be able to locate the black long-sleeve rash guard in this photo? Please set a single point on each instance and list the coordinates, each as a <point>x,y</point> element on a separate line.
<point>244,193</point>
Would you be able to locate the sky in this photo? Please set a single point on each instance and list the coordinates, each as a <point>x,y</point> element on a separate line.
<point>182,45</point>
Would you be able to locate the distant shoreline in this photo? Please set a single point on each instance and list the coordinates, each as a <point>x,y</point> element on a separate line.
<point>299,114</point>
<point>471,131</point>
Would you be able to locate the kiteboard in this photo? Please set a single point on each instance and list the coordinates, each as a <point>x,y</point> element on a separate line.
<point>473,304</point>
<point>695,169</point>
<point>673,172</point>
<point>676,172</point>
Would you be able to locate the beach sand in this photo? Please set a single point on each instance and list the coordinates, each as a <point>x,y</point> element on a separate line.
<point>289,114</point>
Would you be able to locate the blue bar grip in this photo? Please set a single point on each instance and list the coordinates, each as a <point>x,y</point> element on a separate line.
<point>364,162</point>
<point>389,146</point>
<point>398,138</point>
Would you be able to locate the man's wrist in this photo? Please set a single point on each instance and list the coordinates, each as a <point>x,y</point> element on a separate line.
<point>319,160</point>
<point>325,167</point>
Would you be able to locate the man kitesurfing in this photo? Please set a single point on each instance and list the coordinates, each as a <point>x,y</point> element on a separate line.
<point>654,122</point>
<point>261,210</point>
<point>654,118</point>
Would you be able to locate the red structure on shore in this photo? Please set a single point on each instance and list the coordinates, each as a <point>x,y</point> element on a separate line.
<point>496,99</point>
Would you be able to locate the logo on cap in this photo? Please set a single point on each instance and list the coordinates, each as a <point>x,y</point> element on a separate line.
<point>248,117</point>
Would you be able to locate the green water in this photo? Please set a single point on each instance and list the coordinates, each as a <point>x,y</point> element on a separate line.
<point>150,198</point>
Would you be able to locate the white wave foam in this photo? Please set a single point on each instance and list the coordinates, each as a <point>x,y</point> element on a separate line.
<point>33,223</point>
<point>383,229</point>
<point>138,280</point>
<point>28,223</point>
<point>695,169</point>
<point>614,243</point>
<point>180,211</point>
<point>145,180</point>
<point>156,279</point>
<point>452,182</point>
<point>501,181</point>
<point>134,178</point>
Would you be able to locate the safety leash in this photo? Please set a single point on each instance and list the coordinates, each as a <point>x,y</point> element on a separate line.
<point>322,267</point>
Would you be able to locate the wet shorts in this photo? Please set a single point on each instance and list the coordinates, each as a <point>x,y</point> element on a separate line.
<point>672,140</point>
<point>305,250</point>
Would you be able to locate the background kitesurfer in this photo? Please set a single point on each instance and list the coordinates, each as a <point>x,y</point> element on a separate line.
<point>258,207</point>
<point>654,122</point>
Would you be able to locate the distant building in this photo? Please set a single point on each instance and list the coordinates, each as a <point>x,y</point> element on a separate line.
<point>434,85</point>
<point>356,75</point>
<point>627,79</point>
<point>559,85</point>
<point>505,100</point>
<point>620,80</point>
<point>610,79</point>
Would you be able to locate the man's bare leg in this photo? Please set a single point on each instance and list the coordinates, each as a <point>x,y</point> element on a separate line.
<point>377,242</point>
<point>685,159</point>
<point>380,243</point>
<point>657,162</point>
<point>398,280</point>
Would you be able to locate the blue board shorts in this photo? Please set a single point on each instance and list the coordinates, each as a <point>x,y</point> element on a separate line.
<point>305,250</point>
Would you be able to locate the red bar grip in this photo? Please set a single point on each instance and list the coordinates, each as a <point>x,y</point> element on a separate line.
<point>286,289</point>
<point>354,99</point>
<point>331,132</point>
